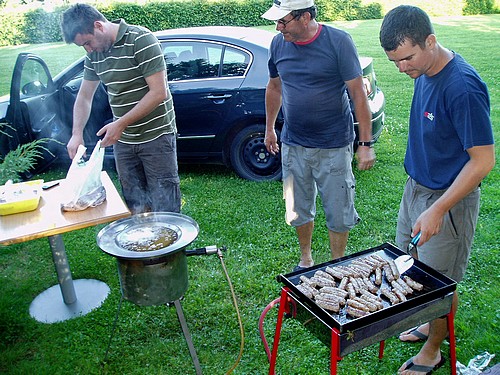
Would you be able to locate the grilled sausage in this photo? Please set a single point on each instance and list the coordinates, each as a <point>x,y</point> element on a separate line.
<point>399,293</point>
<point>370,286</point>
<point>356,304</point>
<point>350,289</point>
<point>330,297</point>
<point>405,286</point>
<point>329,306</point>
<point>388,273</point>
<point>371,306</point>
<point>343,282</point>
<point>390,295</point>
<point>324,274</point>
<point>334,272</point>
<point>412,283</point>
<point>394,269</point>
<point>378,276</point>
<point>367,296</point>
<point>355,313</point>
<point>306,280</point>
<point>321,281</point>
<point>333,290</point>
<point>396,286</point>
<point>305,290</point>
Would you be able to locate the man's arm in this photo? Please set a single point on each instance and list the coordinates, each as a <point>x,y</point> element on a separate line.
<point>357,93</point>
<point>482,160</point>
<point>156,94</point>
<point>81,113</point>
<point>273,105</point>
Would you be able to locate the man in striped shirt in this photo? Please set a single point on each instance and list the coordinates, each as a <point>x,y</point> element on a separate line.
<point>128,59</point>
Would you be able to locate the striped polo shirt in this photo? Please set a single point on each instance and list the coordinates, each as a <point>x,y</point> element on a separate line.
<point>136,54</point>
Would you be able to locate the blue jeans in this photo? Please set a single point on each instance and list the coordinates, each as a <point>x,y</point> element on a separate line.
<point>149,175</point>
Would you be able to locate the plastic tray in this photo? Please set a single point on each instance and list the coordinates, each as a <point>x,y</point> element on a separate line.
<point>20,197</point>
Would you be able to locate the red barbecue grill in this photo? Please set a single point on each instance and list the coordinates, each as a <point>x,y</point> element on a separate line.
<point>346,334</point>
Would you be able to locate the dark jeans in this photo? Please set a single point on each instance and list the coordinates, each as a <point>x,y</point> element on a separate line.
<point>149,175</point>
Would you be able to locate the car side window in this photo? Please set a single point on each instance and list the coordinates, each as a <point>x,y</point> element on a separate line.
<point>191,60</point>
<point>235,62</point>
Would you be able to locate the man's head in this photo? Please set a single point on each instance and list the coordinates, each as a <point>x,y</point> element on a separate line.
<point>79,19</point>
<point>282,8</point>
<point>405,23</point>
<point>408,39</point>
<point>87,27</point>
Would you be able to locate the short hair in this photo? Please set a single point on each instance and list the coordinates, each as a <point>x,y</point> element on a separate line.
<point>79,19</point>
<point>299,12</point>
<point>405,22</point>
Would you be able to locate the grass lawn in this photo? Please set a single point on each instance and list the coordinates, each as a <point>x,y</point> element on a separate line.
<point>248,218</point>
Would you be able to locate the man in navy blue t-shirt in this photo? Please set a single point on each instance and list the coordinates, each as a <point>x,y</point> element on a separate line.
<point>312,67</point>
<point>450,150</point>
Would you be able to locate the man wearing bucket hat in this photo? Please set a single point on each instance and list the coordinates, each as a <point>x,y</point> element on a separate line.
<point>312,68</point>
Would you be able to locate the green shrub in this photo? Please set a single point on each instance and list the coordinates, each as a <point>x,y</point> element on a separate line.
<point>11,28</point>
<point>479,7</point>
<point>39,26</point>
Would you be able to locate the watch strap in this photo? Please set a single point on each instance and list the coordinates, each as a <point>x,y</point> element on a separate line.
<point>368,144</point>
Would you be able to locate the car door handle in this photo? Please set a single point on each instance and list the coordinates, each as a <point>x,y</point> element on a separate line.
<point>219,99</point>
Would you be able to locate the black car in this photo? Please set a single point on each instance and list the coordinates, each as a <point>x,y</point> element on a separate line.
<point>217,76</point>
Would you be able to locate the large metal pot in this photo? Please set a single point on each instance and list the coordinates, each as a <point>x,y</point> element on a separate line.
<point>151,256</point>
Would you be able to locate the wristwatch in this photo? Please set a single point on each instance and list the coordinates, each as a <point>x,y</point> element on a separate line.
<point>367,144</point>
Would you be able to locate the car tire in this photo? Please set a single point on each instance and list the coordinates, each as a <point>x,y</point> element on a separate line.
<point>249,157</point>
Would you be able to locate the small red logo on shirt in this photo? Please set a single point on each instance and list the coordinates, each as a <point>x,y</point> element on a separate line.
<point>429,116</point>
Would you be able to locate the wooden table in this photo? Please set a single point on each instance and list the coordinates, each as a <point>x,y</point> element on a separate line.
<point>71,298</point>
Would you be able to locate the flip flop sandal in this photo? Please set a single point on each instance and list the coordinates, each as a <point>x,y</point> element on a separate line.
<point>299,268</point>
<point>414,332</point>
<point>426,370</point>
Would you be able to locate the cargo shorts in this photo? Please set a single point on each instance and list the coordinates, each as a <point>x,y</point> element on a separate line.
<point>448,251</point>
<point>307,171</point>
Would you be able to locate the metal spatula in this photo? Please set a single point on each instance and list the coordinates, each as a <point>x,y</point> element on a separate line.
<point>403,263</point>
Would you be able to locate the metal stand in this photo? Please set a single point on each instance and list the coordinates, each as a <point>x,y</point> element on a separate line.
<point>284,308</point>
<point>185,331</point>
<point>70,298</point>
<point>187,335</point>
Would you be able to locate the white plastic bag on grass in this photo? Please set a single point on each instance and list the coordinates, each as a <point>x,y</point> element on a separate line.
<point>476,365</point>
<point>83,186</point>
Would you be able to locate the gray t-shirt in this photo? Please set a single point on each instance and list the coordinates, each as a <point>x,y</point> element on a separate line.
<point>315,103</point>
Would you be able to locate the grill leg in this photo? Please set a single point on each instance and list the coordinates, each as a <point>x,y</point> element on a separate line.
<point>281,312</point>
<point>381,349</point>
<point>451,332</point>
<point>187,335</point>
<point>335,351</point>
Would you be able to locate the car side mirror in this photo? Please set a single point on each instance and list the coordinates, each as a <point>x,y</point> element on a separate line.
<point>33,88</point>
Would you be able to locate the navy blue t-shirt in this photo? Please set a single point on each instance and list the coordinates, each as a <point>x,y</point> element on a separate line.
<point>450,113</point>
<point>314,99</point>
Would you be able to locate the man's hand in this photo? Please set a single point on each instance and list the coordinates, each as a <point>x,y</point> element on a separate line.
<point>366,157</point>
<point>112,133</point>
<point>271,142</point>
<point>428,223</point>
<point>73,144</point>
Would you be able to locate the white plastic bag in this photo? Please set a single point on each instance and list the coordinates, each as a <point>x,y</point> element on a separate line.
<point>83,186</point>
<point>476,365</point>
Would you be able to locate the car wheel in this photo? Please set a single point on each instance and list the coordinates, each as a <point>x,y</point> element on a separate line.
<point>249,157</point>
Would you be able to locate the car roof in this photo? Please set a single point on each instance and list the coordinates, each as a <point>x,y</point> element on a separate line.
<point>222,33</point>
